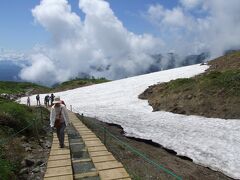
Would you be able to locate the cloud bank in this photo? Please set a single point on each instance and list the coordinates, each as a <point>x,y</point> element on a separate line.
<point>99,45</point>
<point>196,26</point>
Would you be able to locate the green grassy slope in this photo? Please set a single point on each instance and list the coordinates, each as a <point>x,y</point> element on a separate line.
<point>20,87</point>
<point>78,82</point>
<point>23,87</point>
<point>16,120</point>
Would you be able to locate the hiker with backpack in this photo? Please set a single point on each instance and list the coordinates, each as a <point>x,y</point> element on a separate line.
<point>46,100</point>
<point>38,100</point>
<point>52,99</point>
<point>59,119</point>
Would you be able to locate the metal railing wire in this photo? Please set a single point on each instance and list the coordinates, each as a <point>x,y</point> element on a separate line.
<point>107,134</point>
<point>34,123</point>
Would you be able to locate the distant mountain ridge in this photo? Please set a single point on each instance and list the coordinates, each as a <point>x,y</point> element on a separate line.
<point>173,60</point>
<point>9,71</point>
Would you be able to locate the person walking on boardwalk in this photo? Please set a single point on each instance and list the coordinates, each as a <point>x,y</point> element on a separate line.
<point>59,119</point>
<point>38,100</point>
<point>46,100</point>
<point>52,99</point>
<point>28,101</point>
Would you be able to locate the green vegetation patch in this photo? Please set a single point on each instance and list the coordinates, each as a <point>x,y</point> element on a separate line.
<point>214,81</point>
<point>6,169</point>
<point>78,82</point>
<point>181,84</point>
<point>9,87</point>
<point>19,87</point>
<point>15,115</point>
<point>17,120</point>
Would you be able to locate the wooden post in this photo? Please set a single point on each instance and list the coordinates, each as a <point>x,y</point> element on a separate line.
<point>41,116</point>
<point>105,136</point>
<point>82,118</point>
<point>71,108</point>
<point>36,131</point>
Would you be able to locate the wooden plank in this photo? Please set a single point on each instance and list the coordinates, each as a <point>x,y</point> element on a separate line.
<point>113,174</point>
<point>60,151</point>
<point>82,128</point>
<point>107,165</point>
<point>93,143</point>
<point>64,177</point>
<point>59,157</point>
<point>99,148</point>
<point>58,171</point>
<point>56,146</point>
<point>59,163</point>
<point>103,158</point>
<point>86,133</point>
<point>99,153</point>
<point>88,136</point>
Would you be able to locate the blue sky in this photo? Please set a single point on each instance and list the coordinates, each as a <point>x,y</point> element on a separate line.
<point>19,32</point>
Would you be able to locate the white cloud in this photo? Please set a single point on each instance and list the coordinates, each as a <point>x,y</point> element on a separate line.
<point>42,69</point>
<point>57,18</point>
<point>199,25</point>
<point>190,4</point>
<point>175,17</point>
<point>11,55</point>
<point>98,45</point>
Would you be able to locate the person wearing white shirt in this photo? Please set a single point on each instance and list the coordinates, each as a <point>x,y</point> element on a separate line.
<point>59,114</point>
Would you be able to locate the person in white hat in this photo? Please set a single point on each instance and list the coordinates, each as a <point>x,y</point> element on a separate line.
<point>59,119</point>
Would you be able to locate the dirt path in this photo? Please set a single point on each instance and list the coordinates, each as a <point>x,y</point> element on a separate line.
<point>140,169</point>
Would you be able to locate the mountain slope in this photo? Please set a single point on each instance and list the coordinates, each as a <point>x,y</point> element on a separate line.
<point>10,87</point>
<point>21,88</point>
<point>208,141</point>
<point>216,93</point>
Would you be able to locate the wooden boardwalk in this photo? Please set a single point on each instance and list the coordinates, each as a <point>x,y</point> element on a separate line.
<point>59,165</point>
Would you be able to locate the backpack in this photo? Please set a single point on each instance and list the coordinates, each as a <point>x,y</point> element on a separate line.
<point>57,123</point>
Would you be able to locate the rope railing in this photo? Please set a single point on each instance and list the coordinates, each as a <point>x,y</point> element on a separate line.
<point>33,123</point>
<point>107,133</point>
<point>4,141</point>
<point>137,152</point>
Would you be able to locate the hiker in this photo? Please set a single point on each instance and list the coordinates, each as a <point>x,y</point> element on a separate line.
<point>59,119</point>
<point>46,100</point>
<point>38,100</point>
<point>28,101</point>
<point>52,99</point>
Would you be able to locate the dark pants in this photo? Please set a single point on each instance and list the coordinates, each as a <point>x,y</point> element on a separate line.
<point>60,134</point>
